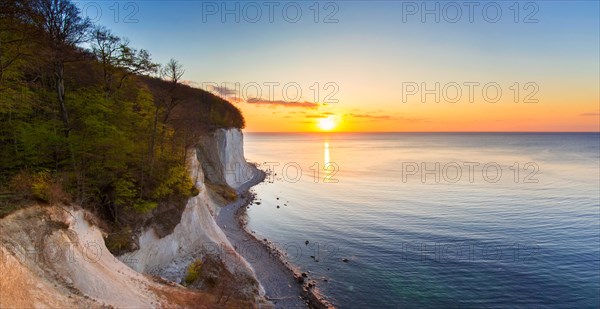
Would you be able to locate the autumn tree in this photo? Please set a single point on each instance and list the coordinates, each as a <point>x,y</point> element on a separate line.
<point>135,62</point>
<point>172,72</point>
<point>165,102</point>
<point>118,59</point>
<point>106,46</point>
<point>13,36</point>
<point>64,29</point>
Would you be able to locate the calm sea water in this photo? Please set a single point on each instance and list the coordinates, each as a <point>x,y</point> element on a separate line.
<point>507,220</point>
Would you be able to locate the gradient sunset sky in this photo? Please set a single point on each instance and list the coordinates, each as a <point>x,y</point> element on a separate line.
<point>373,54</point>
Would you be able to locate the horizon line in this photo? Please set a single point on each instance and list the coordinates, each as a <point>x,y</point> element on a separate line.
<point>395,132</point>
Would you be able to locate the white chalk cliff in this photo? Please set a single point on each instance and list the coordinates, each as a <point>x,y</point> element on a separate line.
<point>197,234</point>
<point>54,256</point>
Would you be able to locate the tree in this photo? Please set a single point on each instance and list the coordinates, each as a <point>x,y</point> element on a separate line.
<point>97,153</point>
<point>134,62</point>
<point>106,47</point>
<point>117,57</point>
<point>16,38</point>
<point>64,29</point>
<point>172,72</point>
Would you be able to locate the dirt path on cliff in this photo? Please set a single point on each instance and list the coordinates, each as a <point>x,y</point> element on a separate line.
<point>280,286</point>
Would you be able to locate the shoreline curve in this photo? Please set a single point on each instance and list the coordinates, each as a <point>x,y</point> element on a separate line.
<point>283,283</point>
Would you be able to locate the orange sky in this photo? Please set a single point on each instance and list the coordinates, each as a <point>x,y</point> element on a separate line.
<point>365,56</point>
<point>552,112</point>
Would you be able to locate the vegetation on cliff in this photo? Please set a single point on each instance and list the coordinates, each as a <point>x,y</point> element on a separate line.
<point>87,118</point>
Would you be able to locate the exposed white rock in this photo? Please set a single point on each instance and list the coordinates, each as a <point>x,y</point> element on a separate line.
<point>221,155</point>
<point>197,234</point>
<point>56,258</point>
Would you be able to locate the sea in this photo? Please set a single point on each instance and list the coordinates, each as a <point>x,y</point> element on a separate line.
<point>435,220</point>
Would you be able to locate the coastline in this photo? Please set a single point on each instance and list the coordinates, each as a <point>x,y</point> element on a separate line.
<point>284,285</point>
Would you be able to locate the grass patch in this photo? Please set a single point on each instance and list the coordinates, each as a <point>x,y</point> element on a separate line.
<point>193,272</point>
<point>225,191</point>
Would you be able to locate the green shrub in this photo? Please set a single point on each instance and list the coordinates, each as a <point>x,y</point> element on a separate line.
<point>144,206</point>
<point>225,191</point>
<point>47,189</point>
<point>193,272</point>
<point>177,182</point>
<point>125,192</point>
<point>127,195</point>
<point>119,241</point>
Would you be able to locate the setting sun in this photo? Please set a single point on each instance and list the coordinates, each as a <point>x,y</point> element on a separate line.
<point>326,124</point>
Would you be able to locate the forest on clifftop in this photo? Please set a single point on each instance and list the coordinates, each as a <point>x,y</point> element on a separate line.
<point>87,118</point>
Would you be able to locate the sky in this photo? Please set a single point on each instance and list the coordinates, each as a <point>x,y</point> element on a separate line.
<point>380,66</point>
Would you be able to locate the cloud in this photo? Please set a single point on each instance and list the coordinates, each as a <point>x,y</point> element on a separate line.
<point>590,114</point>
<point>380,117</point>
<point>316,116</point>
<point>321,115</point>
<point>304,104</point>
<point>235,99</point>
<point>190,83</point>
<point>224,91</point>
<point>374,117</point>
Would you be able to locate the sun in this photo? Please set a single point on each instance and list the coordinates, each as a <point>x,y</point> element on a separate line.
<point>327,124</point>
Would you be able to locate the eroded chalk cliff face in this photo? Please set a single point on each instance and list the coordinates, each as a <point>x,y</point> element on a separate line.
<point>197,236</point>
<point>221,155</point>
<point>54,256</point>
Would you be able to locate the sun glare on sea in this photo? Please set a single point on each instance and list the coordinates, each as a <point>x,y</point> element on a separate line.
<point>327,124</point>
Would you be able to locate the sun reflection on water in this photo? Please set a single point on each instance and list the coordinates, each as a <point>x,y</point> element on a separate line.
<point>326,149</point>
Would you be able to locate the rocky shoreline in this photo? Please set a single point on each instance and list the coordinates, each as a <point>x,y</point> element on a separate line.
<point>310,290</point>
<point>285,285</point>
